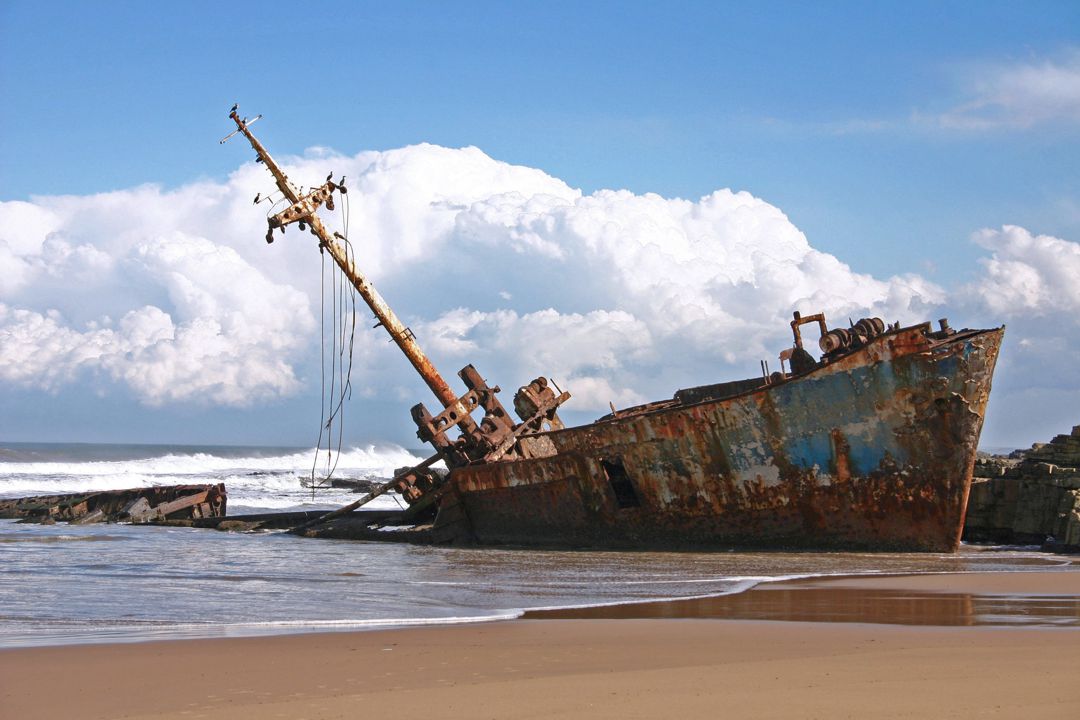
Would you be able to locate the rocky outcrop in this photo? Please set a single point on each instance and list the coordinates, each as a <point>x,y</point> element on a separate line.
<point>1028,498</point>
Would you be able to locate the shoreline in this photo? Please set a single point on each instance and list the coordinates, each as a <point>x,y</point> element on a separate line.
<point>1028,598</point>
<point>593,667</point>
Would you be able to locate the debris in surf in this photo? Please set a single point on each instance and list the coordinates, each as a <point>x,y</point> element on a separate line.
<point>356,485</point>
<point>136,505</point>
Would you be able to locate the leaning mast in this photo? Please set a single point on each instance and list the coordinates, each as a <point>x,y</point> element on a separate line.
<point>303,211</point>
<point>496,436</point>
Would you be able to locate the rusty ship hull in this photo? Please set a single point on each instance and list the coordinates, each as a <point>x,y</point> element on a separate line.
<point>873,450</point>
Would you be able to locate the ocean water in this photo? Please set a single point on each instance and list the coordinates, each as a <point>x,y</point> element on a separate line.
<point>106,583</point>
<point>258,479</point>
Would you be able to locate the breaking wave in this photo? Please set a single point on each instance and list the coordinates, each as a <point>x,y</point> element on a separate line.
<point>255,478</point>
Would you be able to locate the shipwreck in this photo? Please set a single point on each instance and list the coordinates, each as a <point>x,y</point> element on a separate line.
<point>155,504</point>
<point>870,446</point>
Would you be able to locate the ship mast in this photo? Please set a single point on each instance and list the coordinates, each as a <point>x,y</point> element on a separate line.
<point>494,438</point>
<point>302,210</point>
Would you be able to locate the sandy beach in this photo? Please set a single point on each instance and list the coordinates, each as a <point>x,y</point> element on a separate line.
<point>604,667</point>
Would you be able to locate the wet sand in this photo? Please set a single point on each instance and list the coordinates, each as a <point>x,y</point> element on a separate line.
<point>1000,599</point>
<point>613,665</point>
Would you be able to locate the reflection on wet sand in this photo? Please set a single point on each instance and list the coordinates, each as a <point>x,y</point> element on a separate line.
<point>816,602</point>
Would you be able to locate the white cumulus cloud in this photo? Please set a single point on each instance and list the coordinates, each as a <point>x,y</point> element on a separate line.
<point>1028,275</point>
<point>226,338</point>
<point>1029,282</point>
<point>620,297</point>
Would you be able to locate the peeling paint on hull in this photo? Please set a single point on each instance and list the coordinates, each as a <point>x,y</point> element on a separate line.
<point>871,451</point>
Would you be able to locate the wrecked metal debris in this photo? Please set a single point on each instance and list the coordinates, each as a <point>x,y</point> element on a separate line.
<point>137,505</point>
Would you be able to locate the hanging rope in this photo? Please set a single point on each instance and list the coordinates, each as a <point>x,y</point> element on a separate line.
<point>342,342</point>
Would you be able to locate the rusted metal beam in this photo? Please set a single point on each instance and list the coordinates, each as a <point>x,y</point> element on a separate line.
<point>168,508</point>
<point>399,333</point>
<point>546,407</point>
<point>391,484</point>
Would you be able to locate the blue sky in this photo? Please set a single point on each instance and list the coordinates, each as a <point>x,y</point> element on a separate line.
<point>809,107</point>
<point>887,133</point>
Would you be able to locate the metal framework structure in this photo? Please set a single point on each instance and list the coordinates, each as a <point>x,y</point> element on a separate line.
<point>496,435</point>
